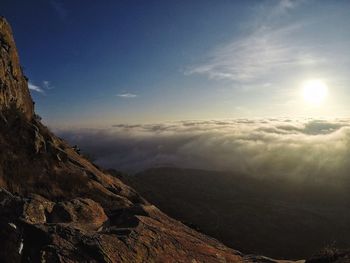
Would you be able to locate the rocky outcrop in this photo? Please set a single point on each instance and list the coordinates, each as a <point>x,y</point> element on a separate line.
<point>13,84</point>
<point>37,230</point>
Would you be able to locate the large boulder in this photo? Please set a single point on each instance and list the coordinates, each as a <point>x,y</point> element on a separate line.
<point>82,213</point>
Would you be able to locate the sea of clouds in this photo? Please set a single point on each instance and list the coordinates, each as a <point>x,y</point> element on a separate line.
<point>279,147</point>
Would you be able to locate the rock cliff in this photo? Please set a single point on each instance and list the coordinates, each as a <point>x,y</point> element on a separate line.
<point>13,84</point>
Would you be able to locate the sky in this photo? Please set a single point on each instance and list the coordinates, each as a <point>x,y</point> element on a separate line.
<point>98,64</point>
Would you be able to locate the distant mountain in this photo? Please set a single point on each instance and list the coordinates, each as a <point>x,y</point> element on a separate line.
<point>270,216</point>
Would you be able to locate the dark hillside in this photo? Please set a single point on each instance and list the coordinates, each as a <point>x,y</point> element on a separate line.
<point>270,216</point>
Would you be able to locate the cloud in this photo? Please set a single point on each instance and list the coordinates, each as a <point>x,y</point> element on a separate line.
<point>300,149</point>
<point>127,95</point>
<point>36,88</point>
<point>259,55</point>
<point>270,49</point>
<point>47,85</point>
<point>284,6</point>
<point>59,8</point>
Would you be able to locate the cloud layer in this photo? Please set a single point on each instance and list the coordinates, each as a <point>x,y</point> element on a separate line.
<point>297,148</point>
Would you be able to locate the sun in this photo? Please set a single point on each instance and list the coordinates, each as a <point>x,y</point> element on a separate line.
<point>314,92</point>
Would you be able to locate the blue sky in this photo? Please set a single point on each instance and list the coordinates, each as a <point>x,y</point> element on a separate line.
<point>97,64</point>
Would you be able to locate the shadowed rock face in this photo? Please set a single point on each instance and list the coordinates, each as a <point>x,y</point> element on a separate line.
<point>269,216</point>
<point>55,206</point>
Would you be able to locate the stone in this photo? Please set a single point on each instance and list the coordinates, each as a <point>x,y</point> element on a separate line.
<point>13,85</point>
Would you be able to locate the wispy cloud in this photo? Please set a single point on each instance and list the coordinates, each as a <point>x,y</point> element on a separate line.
<point>59,8</point>
<point>36,88</point>
<point>47,85</point>
<point>267,50</point>
<point>127,95</point>
<point>285,5</point>
<point>256,56</point>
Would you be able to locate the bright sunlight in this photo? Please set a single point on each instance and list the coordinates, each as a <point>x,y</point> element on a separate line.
<point>314,92</point>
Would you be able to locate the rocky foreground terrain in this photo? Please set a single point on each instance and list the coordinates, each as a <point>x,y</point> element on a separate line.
<point>55,206</point>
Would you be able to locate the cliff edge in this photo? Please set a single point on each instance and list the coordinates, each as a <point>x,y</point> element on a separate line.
<point>13,84</point>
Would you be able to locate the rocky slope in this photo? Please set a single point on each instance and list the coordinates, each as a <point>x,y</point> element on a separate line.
<point>55,206</point>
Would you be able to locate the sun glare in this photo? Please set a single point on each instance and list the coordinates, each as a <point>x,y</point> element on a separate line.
<point>314,92</point>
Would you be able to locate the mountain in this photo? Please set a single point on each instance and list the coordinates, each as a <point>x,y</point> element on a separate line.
<point>13,84</point>
<point>271,216</point>
<point>56,206</point>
